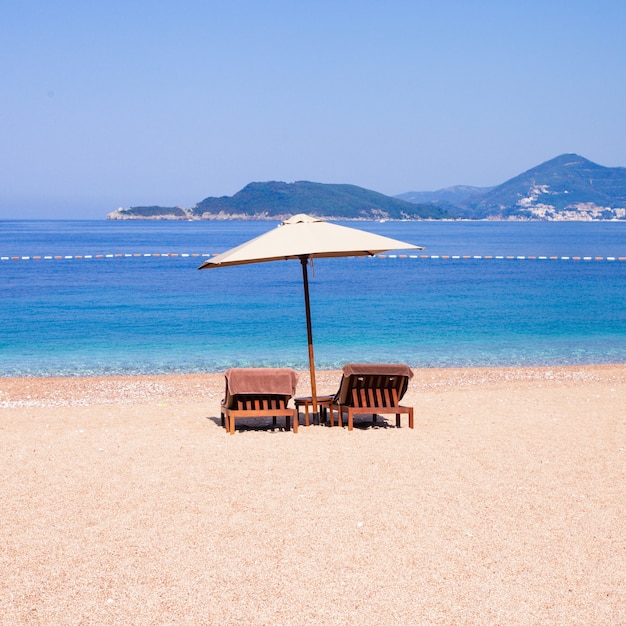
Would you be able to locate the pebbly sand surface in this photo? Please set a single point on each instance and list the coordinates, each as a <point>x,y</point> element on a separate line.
<point>123,501</point>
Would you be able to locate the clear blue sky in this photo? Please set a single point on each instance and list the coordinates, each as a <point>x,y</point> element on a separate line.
<point>132,102</point>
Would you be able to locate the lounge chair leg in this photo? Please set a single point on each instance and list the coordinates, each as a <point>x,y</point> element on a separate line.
<point>397,420</point>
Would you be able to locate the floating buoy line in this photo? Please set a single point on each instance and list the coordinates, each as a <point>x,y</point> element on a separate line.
<point>505,257</point>
<point>60,257</point>
<point>68,257</point>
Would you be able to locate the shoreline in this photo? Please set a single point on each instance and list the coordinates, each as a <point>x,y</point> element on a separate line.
<point>86,390</point>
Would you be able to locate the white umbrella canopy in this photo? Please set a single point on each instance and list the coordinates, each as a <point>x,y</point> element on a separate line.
<point>304,237</point>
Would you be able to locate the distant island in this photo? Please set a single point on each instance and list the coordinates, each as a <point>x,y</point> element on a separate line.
<point>566,188</point>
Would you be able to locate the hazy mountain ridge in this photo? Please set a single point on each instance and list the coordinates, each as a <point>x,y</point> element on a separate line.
<point>452,195</point>
<point>568,187</point>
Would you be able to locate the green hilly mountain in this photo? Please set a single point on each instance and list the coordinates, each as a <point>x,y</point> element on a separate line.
<point>568,187</point>
<point>277,200</point>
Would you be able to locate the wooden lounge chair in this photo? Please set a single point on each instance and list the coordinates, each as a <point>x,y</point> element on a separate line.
<point>259,393</point>
<point>372,389</point>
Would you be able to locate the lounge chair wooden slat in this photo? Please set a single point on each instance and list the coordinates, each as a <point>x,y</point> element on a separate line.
<point>370,397</point>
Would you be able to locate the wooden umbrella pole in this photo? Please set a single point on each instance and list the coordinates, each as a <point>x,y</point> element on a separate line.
<point>307,305</point>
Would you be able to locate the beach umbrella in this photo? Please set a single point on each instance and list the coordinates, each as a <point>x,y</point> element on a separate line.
<point>304,238</point>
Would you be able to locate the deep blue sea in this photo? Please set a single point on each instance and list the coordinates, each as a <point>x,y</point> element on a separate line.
<point>139,305</point>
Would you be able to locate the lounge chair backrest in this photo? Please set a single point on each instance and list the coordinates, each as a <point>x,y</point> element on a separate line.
<point>259,388</point>
<point>373,385</point>
<point>374,396</point>
<point>247,402</point>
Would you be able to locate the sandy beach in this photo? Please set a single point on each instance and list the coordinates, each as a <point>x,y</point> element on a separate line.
<point>125,502</point>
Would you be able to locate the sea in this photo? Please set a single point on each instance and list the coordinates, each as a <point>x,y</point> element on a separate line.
<point>83,298</point>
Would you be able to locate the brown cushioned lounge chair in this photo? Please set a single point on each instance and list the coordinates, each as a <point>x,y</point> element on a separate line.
<point>259,393</point>
<point>370,388</point>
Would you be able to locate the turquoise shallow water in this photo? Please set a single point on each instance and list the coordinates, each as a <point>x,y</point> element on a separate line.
<point>147,314</point>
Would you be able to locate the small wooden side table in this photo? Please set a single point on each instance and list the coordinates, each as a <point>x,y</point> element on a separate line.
<point>324,404</point>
